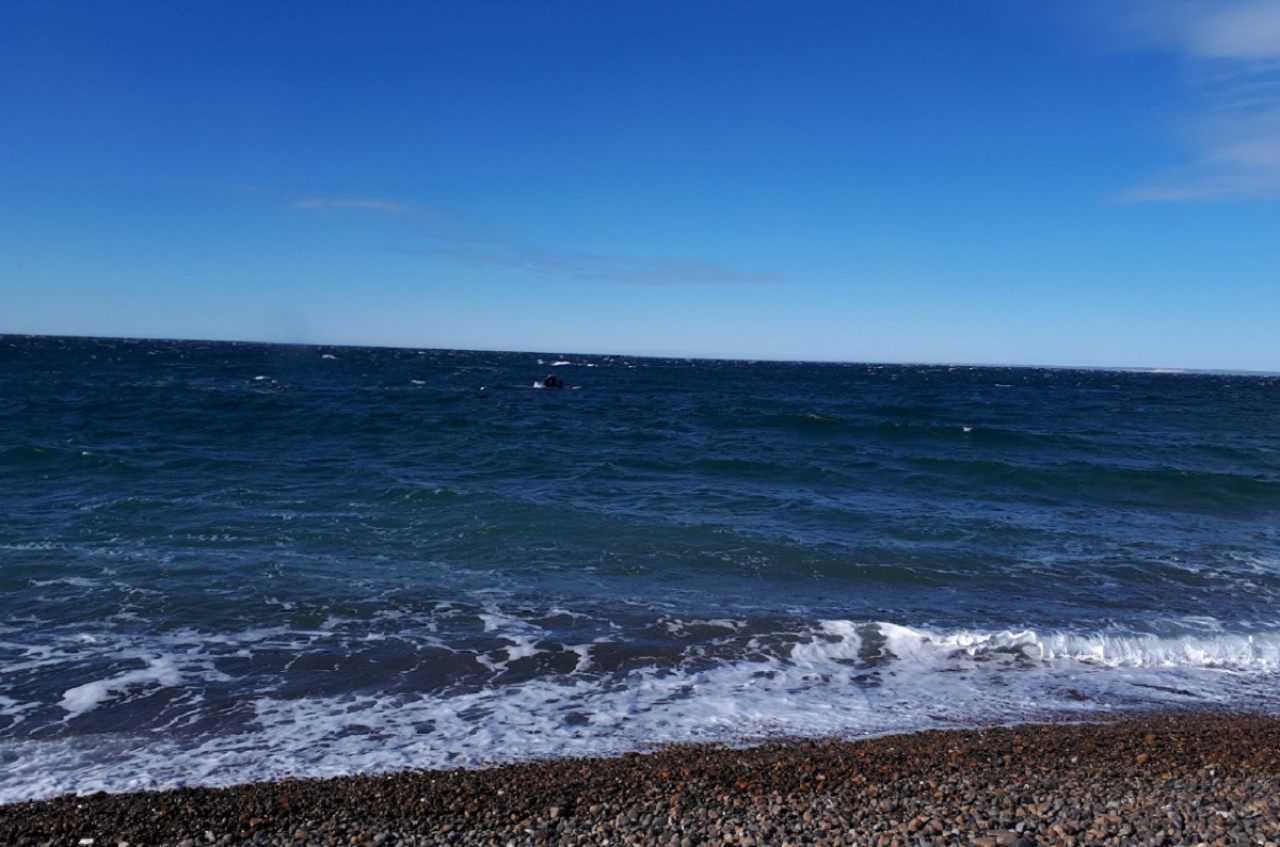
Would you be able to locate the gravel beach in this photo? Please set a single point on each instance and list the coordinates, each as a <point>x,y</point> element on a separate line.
<point>1150,780</point>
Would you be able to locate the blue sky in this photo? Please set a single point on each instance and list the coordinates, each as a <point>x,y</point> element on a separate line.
<point>1065,182</point>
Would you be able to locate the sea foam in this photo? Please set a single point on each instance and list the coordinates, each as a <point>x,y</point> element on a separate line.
<point>838,678</point>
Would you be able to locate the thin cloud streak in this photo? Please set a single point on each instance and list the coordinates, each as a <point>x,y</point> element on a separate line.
<point>1233,51</point>
<point>309,201</point>
<point>361,204</point>
<point>661,270</point>
<point>460,238</point>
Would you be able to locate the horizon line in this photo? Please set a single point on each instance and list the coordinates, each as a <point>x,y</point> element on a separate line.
<point>1145,369</point>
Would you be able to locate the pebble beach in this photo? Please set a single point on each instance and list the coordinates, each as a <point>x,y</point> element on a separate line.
<point>1149,780</point>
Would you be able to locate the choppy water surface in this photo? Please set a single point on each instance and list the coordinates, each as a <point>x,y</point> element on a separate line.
<point>229,562</point>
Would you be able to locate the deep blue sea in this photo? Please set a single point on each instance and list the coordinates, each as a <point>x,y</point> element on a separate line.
<point>222,562</point>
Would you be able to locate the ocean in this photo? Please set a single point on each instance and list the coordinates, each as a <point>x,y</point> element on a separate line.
<point>227,562</point>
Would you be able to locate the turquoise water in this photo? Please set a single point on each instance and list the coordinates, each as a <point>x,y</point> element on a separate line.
<point>226,562</point>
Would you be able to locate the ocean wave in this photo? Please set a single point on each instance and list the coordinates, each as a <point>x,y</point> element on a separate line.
<point>832,678</point>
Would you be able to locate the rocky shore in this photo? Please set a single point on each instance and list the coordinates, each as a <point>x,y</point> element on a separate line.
<point>1151,780</point>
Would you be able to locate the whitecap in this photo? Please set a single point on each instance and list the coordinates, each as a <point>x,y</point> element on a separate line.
<point>160,671</point>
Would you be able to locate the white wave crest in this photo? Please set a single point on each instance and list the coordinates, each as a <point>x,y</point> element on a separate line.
<point>160,671</point>
<point>1258,652</point>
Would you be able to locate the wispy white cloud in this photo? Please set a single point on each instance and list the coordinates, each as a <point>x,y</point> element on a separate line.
<point>633,270</point>
<point>457,237</point>
<point>309,201</point>
<point>1245,29</point>
<point>361,204</point>
<point>453,236</point>
<point>1232,50</point>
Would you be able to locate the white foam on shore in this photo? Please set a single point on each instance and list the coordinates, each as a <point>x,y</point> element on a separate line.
<point>837,678</point>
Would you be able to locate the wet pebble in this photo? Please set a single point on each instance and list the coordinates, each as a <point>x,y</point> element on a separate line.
<point>1152,781</point>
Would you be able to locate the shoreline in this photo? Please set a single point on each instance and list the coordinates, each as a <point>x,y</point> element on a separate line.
<point>1156,779</point>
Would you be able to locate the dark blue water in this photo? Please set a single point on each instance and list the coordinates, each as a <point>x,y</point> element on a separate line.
<point>225,562</point>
